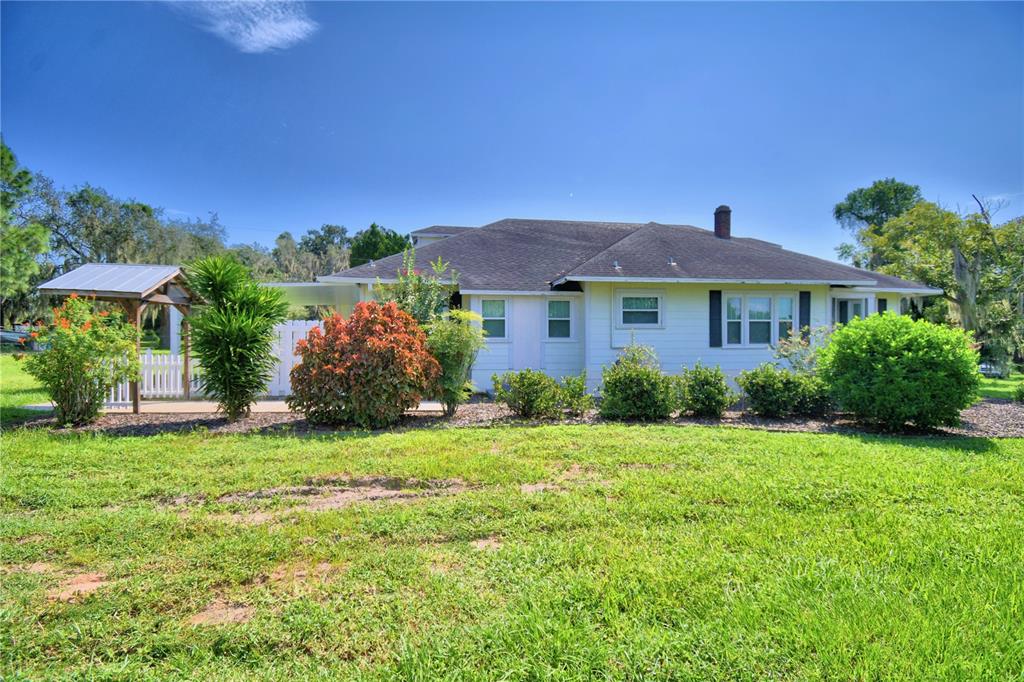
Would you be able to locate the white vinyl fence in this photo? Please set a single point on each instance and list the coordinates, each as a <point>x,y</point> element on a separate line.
<point>163,374</point>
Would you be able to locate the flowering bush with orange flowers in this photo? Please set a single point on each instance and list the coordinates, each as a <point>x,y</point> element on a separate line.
<point>86,352</point>
<point>365,370</point>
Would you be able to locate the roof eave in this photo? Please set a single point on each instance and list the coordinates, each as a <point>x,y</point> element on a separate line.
<point>712,280</point>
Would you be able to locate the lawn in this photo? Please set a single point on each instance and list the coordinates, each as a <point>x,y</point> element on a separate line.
<point>559,552</point>
<point>16,389</point>
<point>1001,388</point>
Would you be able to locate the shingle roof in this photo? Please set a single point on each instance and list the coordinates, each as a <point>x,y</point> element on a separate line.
<point>442,230</point>
<point>111,278</point>
<point>534,255</point>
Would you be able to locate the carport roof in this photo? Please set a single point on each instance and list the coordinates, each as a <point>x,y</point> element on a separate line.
<point>112,280</point>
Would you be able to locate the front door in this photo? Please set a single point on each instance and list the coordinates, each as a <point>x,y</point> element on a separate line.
<point>525,331</point>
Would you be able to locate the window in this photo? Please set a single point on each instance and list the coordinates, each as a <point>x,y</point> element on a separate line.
<point>559,319</point>
<point>493,312</point>
<point>734,320</point>
<point>785,317</point>
<point>757,319</point>
<point>845,309</point>
<point>641,310</point>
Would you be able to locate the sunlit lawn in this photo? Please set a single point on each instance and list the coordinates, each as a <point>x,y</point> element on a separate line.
<point>652,553</point>
<point>1001,388</point>
<point>16,389</point>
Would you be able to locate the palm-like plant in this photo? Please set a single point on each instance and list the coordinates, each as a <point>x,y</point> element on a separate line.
<point>233,332</point>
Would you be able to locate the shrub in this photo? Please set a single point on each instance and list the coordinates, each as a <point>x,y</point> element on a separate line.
<point>424,296</point>
<point>634,387</point>
<point>86,354</point>
<point>704,391</point>
<point>778,393</point>
<point>573,398</point>
<point>890,370</point>
<point>1018,393</point>
<point>233,332</point>
<point>366,370</point>
<point>454,340</point>
<point>532,394</point>
<point>529,393</point>
<point>800,353</point>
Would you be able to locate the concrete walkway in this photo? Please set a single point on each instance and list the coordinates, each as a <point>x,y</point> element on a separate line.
<point>208,407</point>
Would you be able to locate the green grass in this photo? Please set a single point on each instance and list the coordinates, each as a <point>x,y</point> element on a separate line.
<point>1001,388</point>
<point>669,553</point>
<point>673,553</point>
<point>17,388</point>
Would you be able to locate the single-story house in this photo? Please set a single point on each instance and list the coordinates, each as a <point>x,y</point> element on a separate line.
<point>566,296</point>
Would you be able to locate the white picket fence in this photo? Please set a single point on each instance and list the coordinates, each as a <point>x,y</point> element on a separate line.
<point>162,375</point>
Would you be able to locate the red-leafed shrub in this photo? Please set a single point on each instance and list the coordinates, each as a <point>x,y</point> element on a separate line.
<point>365,370</point>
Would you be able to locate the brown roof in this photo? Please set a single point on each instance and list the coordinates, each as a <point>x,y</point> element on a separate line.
<point>534,255</point>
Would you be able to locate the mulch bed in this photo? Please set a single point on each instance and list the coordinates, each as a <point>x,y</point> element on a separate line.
<point>987,419</point>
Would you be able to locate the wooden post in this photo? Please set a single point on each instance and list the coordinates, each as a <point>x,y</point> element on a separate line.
<point>186,344</point>
<point>133,311</point>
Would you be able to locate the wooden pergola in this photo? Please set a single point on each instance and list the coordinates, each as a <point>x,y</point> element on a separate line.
<point>134,288</point>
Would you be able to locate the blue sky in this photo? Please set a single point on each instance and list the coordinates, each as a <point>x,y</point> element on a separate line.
<point>415,114</point>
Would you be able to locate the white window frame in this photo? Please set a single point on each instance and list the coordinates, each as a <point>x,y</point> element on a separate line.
<point>834,305</point>
<point>794,318</point>
<point>640,293</point>
<point>745,317</point>
<point>507,318</point>
<point>571,318</point>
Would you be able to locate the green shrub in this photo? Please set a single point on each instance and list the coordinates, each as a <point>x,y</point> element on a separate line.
<point>1018,393</point>
<point>890,370</point>
<point>704,391</point>
<point>424,296</point>
<point>233,332</point>
<point>812,396</point>
<point>769,391</point>
<point>454,339</point>
<point>634,387</point>
<point>573,398</point>
<point>86,354</point>
<point>529,393</point>
<point>366,370</point>
<point>777,393</point>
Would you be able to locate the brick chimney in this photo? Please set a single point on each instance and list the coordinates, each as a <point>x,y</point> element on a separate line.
<point>723,222</point>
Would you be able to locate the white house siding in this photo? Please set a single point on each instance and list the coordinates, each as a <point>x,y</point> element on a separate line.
<point>526,345</point>
<point>683,336</point>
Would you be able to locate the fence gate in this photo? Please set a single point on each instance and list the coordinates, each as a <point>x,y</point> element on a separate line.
<point>288,334</point>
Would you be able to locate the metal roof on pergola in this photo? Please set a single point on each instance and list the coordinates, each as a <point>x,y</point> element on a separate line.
<point>134,287</point>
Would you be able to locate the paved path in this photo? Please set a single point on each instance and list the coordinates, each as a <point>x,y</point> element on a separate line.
<point>207,407</point>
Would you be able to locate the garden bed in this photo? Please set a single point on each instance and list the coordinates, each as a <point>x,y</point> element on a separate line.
<point>987,419</point>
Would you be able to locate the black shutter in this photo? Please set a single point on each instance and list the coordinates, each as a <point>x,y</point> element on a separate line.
<point>883,305</point>
<point>715,318</point>
<point>805,313</point>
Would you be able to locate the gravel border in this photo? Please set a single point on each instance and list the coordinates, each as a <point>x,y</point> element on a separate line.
<point>990,418</point>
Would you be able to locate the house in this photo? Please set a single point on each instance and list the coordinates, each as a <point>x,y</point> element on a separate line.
<point>566,296</point>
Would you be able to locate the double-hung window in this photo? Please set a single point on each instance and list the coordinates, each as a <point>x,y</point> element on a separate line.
<point>640,311</point>
<point>559,319</point>
<point>785,313</point>
<point>757,319</point>
<point>493,312</point>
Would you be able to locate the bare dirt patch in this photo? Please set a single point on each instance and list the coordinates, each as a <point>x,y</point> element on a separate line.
<point>78,586</point>
<point>325,494</point>
<point>531,488</point>
<point>488,544</point>
<point>37,568</point>
<point>29,539</point>
<point>302,573</point>
<point>220,612</point>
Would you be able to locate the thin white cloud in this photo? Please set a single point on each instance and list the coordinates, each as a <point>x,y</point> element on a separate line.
<point>253,26</point>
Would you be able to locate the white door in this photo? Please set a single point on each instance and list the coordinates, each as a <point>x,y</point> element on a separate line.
<point>525,331</point>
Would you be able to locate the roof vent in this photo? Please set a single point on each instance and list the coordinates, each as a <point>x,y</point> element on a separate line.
<point>671,262</point>
<point>615,264</point>
<point>723,222</point>
<point>372,264</point>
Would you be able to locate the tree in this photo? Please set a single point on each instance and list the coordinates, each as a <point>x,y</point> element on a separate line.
<point>967,257</point>
<point>329,245</point>
<point>21,243</point>
<point>424,296</point>
<point>376,242</point>
<point>865,211</point>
